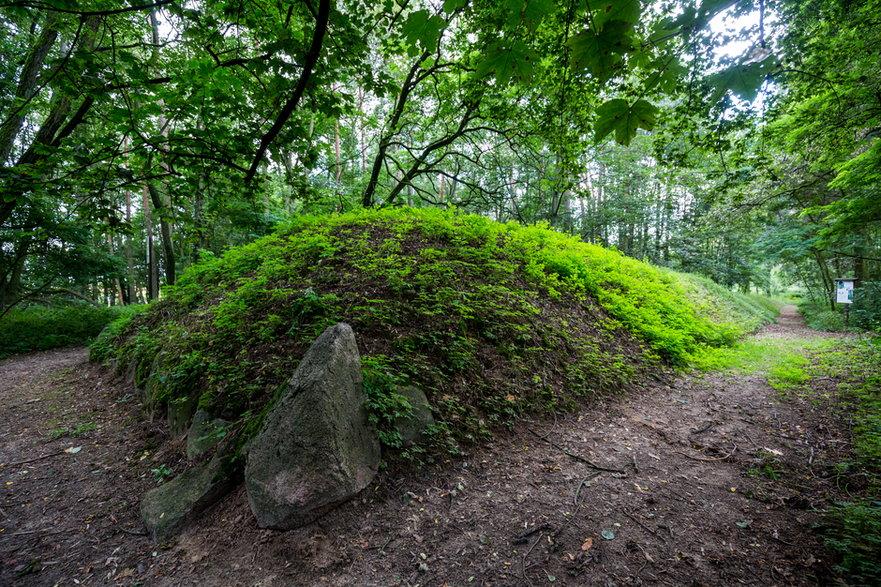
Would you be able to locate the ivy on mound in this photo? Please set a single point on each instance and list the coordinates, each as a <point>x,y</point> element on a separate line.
<point>490,320</point>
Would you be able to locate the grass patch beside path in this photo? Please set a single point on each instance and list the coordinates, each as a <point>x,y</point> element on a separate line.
<point>783,360</point>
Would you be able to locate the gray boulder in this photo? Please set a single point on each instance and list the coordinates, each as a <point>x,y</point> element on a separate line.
<point>412,428</point>
<point>316,448</point>
<point>167,507</point>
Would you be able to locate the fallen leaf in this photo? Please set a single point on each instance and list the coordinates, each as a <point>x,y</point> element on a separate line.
<point>588,544</point>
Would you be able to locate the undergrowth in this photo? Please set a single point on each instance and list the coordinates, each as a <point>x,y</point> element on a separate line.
<point>854,533</point>
<point>490,320</point>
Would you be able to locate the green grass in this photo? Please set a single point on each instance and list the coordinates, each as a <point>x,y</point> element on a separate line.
<point>782,359</point>
<point>491,320</point>
<point>744,312</point>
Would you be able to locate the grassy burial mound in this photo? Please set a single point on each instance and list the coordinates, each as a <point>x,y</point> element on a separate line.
<point>490,320</point>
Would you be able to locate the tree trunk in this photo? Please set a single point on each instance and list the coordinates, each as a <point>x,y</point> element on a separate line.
<point>152,269</point>
<point>160,207</point>
<point>129,258</point>
<point>12,279</point>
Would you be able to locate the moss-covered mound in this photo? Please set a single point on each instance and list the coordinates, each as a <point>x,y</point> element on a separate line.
<point>490,320</point>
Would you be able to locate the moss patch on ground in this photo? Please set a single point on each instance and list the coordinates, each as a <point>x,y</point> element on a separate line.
<point>491,320</point>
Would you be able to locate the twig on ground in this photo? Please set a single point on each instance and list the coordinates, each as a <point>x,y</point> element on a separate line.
<point>643,526</point>
<point>587,478</point>
<point>704,428</point>
<point>522,539</point>
<point>575,456</point>
<point>781,541</point>
<point>382,548</point>
<point>40,532</point>
<point>531,548</point>
<point>747,436</point>
<point>708,460</point>
<point>130,532</point>
<point>39,458</point>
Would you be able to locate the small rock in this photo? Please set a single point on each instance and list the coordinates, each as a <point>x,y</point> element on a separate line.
<point>413,427</point>
<point>204,434</point>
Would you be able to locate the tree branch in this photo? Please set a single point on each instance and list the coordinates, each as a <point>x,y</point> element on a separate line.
<point>311,58</point>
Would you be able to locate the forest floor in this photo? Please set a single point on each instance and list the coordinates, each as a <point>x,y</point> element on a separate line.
<point>698,479</point>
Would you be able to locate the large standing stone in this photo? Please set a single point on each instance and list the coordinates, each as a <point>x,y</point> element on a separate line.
<point>316,448</point>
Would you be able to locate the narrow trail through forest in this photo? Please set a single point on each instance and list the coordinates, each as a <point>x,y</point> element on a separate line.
<point>690,480</point>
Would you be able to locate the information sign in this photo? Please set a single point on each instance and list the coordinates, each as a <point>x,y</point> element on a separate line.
<point>844,291</point>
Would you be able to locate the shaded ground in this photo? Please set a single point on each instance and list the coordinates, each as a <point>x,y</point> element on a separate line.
<point>689,480</point>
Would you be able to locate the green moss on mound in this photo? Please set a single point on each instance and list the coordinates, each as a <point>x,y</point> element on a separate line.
<point>491,320</point>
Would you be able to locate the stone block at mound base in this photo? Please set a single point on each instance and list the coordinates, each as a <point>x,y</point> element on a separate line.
<point>413,428</point>
<point>316,448</point>
<point>167,507</point>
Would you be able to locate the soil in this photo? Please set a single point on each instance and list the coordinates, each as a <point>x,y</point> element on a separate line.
<point>685,480</point>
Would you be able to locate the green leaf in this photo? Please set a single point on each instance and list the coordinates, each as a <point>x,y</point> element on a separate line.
<point>744,79</point>
<point>619,116</point>
<point>698,18</point>
<point>710,8</point>
<point>600,53</point>
<point>515,61</point>
<point>423,30</point>
<point>451,6</point>
<point>623,10</point>
<point>530,12</point>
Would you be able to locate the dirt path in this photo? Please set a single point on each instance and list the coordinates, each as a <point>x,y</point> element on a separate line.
<point>702,480</point>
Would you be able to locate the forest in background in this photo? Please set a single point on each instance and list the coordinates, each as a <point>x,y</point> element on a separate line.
<point>137,138</point>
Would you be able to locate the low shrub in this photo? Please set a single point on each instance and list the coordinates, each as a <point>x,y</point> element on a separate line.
<point>865,312</point>
<point>37,328</point>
